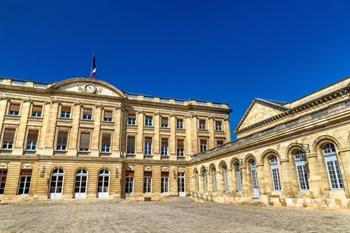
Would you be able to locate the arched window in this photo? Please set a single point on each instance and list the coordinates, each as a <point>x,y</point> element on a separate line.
<point>196,181</point>
<point>56,183</point>
<point>103,183</point>
<point>80,183</point>
<point>204,180</point>
<point>214,180</point>
<point>334,176</point>
<point>238,174</point>
<point>275,172</point>
<point>225,177</point>
<point>254,177</point>
<point>301,169</point>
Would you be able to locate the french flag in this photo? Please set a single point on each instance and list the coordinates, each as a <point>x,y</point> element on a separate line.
<point>93,70</point>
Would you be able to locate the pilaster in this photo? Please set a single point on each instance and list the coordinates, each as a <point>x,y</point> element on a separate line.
<point>22,128</point>
<point>74,133</point>
<point>95,140</point>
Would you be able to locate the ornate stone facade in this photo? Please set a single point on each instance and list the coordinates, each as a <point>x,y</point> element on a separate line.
<point>85,138</point>
<point>294,154</point>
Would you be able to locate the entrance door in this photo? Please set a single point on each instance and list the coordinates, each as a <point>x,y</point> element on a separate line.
<point>181,184</point>
<point>255,184</point>
<point>56,184</point>
<point>103,184</point>
<point>80,184</point>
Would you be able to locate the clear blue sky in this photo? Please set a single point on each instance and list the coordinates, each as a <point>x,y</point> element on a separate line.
<point>225,51</point>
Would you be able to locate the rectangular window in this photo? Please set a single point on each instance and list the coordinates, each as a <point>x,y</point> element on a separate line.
<point>14,109</point>
<point>164,182</point>
<point>8,138</point>
<point>106,143</point>
<point>147,182</point>
<point>32,140</point>
<point>148,146</point>
<point>164,147</point>
<point>3,176</point>
<point>129,182</point>
<point>218,125</point>
<point>148,121</point>
<point>108,116</point>
<point>203,145</point>
<point>62,138</point>
<point>24,182</point>
<point>65,111</point>
<point>37,111</point>
<point>180,147</point>
<point>202,124</point>
<point>164,122</point>
<point>84,141</point>
<point>179,123</point>
<point>219,142</point>
<point>87,114</point>
<point>130,145</point>
<point>131,119</point>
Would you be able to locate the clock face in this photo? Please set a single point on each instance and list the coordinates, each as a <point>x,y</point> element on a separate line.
<point>90,88</point>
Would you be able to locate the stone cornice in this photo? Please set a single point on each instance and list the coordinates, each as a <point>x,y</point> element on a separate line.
<point>302,108</point>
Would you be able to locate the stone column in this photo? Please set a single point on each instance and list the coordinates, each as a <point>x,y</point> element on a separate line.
<point>21,133</point>
<point>211,129</point>
<point>156,175</point>
<point>188,140</point>
<point>344,164</point>
<point>140,135</point>
<point>117,134</point>
<point>13,171</point>
<point>156,138</point>
<point>287,183</point>
<point>95,140</point>
<point>194,134</point>
<point>313,175</point>
<point>245,182</point>
<point>48,115</point>
<point>74,132</point>
<point>3,109</point>
<point>172,138</point>
<point>138,180</point>
<point>69,177</point>
<point>227,130</point>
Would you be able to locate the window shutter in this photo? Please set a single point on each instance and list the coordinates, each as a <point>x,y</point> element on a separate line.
<point>66,108</point>
<point>85,140</point>
<point>62,138</point>
<point>26,172</point>
<point>106,139</point>
<point>164,141</point>
<point>37,108</point>
<point>129,173</point>
<point>87,111</point>
<point>180,143</point>
<point>32,135</point>
<point>108,114</point>
<point>9,135</point>
<point>147,174</point>
<point>14,107</point>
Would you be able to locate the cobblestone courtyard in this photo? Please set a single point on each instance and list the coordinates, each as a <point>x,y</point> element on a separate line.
<point>176,215</point>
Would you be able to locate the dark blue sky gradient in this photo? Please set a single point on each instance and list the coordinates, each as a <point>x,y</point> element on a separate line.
<point>224,51</point>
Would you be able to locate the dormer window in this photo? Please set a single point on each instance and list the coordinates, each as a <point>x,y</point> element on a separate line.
<point>14,109</point>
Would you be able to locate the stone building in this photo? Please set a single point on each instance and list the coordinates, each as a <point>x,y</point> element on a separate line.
<point>286,154</point>
<point>85,138</point>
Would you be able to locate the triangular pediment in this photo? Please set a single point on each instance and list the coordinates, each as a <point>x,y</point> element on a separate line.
<point>88,86</point>
<point>257,112</point>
